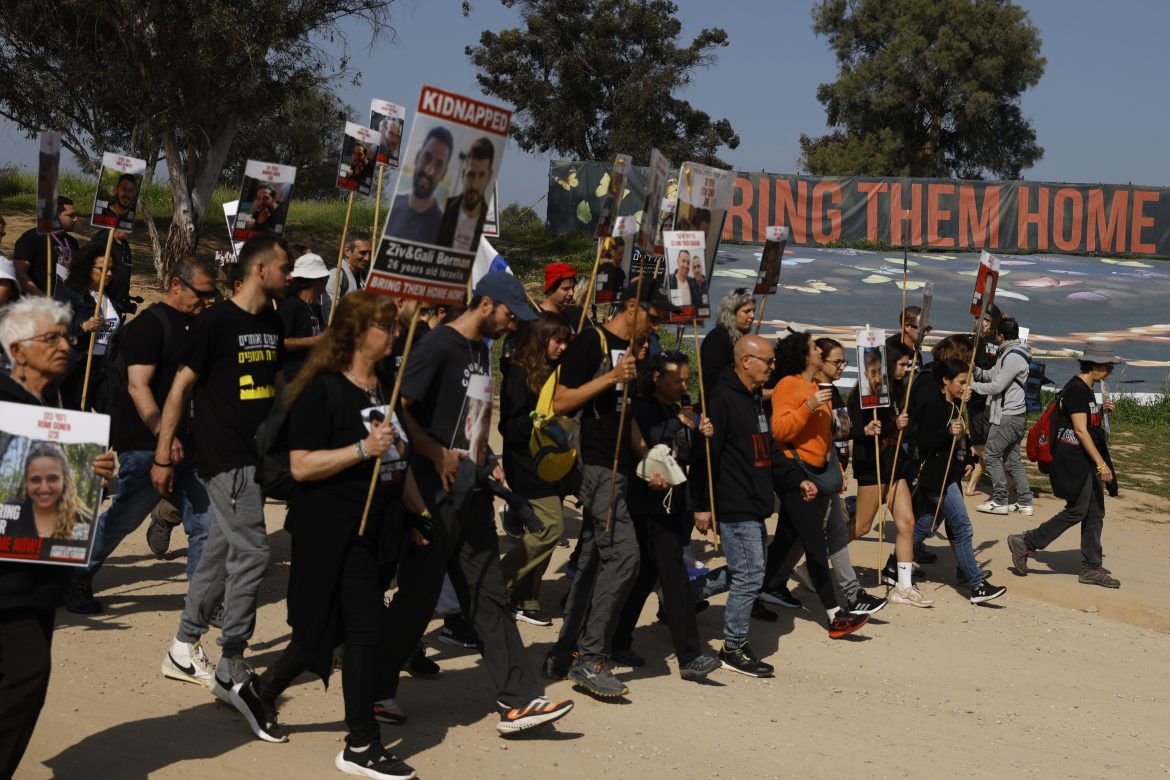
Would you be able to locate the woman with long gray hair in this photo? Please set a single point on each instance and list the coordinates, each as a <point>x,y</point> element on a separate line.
<point>737,312</point>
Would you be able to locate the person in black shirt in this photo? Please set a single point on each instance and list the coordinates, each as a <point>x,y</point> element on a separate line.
<point>737,312</point>
<point>34,269</point>
<point>1081,470</point>
<point>232,362</point>
<point>299,311</point>
<point>149,356</point>
<point>595,366</point>
<point>122,265</point>
<point>531,366</point>
<point>447,399</point>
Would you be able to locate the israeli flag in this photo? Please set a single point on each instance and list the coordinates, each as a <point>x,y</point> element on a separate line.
<point>487,259</point>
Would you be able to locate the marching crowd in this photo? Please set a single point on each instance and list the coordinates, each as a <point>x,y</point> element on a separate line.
<point>217,405</point>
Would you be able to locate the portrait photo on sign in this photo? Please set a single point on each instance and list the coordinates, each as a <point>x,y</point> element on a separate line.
<point>48,170</point>
<point>387,120</point>
<point>614,190</point>
<point>264,198</point>
<point>688,289</point>
<point>448,173</point>
<point>616,254</point>
<point>49,495</point>
<point>872,378</point>
<point>471,433</point>
<point>771,260</point>
<point>355,169</point>
<point>395,460</point>
<point>704,194</point>
<point>118,186</point>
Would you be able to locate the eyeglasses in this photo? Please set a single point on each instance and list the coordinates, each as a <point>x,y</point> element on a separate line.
<point>841,363</point>
<point>49,339</point>
<point>203,295</point>
<point>768,361</point>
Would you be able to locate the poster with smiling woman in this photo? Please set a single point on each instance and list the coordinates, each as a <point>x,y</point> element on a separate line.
<point>49,494</point>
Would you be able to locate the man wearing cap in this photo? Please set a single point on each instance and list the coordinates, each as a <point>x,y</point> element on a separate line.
<point>1081,470</point>
<point>300,311</point>
<point>447,390</point>
<point>594,369</point>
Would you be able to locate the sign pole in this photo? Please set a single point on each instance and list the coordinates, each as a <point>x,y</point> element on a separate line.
<point>97,313</point>
<point>378,199</point>
<point>340,255</point>
<point>589,289</point>
<point>706,441</point>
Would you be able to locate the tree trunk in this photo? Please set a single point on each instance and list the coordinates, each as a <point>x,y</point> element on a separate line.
<point>148,218</point>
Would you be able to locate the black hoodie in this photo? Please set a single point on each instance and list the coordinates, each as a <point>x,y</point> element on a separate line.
<point>746,467</point>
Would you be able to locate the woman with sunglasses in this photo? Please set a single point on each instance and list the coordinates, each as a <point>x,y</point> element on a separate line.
<point>733,320</point>
<point>34,333</point>
<point>80,291</point>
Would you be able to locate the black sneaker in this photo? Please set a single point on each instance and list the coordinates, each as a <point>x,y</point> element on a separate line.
<point>537,712</point>
<point>890,575</point>
<point>962,578</point>
<point>1020,552</point>
<point>699,667</point>
<point>741,659</point>
<point>760,612</point>
<point>158,537</point>
<point>373,761</point>
<point>628,657</point>
<point>459,632</point>
<point>845,623</point>
<point>79,598</point>
<point>780,596</point>
<point>985,591</point>
<point>261,717</point>
<point>533,617</point>
<point>553,669</point>
<point>421,666</point>
<point>866,604</point>
<point>922,555</point>
<point>593,675</point>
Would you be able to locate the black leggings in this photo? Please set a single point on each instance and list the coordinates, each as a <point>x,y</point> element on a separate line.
<point>362,612</point>
<point>26,638</point>
<point>662,563</point>
<point>804,521</point>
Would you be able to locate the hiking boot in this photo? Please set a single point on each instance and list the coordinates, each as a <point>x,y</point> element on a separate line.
<point>1100,577</point>
<point>554,668</point>
<point>699,667</point>
<point>1020,552</point>
<point>780,596</point>
<point>992,507</point>
<point>1024,509</point>
<point>845,623</point>
<point>922,555</point>
<point>985,591</point>
<point>741,659</point>
<point>79,598</point>
<point>628,657</point>
<point>593,675</point>
<point>911,596</point>
<point>537,712</point>
<point>158,537</point>
<point>865,604</point>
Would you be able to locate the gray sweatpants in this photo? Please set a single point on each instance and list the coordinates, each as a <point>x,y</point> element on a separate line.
<point>837,535</point>
<point>234,560</point>
<point>1001,459</point>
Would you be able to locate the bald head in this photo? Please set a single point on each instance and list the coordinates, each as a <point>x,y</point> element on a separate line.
<point>753,361</point>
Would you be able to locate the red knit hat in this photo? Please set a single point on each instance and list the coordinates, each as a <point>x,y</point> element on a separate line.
<point>554,273</point>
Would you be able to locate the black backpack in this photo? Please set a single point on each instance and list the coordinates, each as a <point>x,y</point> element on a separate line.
<point>117,385</point>
<point>1034,383</point>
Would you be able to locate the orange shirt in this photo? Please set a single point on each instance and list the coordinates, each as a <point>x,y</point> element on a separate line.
<point>793,423</point>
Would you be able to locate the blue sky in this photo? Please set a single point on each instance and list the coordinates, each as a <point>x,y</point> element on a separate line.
<point>1101,111</point>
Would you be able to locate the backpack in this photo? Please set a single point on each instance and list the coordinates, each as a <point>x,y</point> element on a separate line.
<point>553,442</point>
<point>1034,383</point>
<point>117,384</point>
<point>1041,434</point>
<point>273,467</point>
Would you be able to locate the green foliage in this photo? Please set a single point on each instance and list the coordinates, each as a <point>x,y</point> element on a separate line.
<point>590,78</point>
<point>926,88</point>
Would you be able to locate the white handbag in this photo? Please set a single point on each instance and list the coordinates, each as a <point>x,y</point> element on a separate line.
<point>659,460</point>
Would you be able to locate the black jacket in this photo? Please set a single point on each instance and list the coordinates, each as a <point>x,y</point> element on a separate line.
<point>717,353</point>
<point>933,415</point>
<point>746,467</point>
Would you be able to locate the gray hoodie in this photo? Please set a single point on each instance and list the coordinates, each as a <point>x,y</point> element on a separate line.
<point>1004,382</point>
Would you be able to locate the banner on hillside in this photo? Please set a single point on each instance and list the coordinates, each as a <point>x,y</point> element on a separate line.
<point>359,150</point>
<point>118,185</point>
<point>48,170</point>
<point>387,119</point>
<point>450,164</point>
<point>941,214</point>
<point>49,495</point>
<point>264,198</point>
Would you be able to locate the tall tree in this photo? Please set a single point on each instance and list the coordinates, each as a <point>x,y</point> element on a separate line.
<point>590,78</point>
<point>926,88</point>
<point>173,81</point>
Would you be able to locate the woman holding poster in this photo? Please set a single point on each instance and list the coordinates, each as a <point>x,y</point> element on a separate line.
<point>80,291</point>
<point>35,337</point>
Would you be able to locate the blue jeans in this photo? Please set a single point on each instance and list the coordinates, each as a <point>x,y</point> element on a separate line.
<point>744,545</point>
<point>136,497</point>
<point>958,524</point>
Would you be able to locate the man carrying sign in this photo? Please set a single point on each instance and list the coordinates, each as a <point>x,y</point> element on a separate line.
<point>29,253</point>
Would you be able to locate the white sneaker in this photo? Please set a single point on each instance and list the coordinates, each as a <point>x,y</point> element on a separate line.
<point>188,663</point>
<point>992,508</point>
<point>1023,510</point>
<point>911,596</point>
<point>230,674</point>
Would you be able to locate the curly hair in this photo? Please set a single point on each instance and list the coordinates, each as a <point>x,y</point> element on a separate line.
<point>731,303</point>
<point>792,354</point>
<point>332,354</point>
<point>532,354</point>
<point>69,507</point>
<point>80,278</point>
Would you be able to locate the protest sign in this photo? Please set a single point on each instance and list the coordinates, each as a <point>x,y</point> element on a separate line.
<point>652,205</point>
<point>873,381</point>
<point>48,169</point>
<point>387,120</point>
<point>985,283</point>
<point>616,255</point>
<point>264,198</point>
<point>230,209</point>
<point>355,169</point>
<point>704,193</point>
<point>118,185</point>
<point>684,255</point>
<point>49,494</point>
<point>768,277</point>
<point>924,316</point>
<point>491,223</point>
<point>615,190</point>
<point>428,246</point>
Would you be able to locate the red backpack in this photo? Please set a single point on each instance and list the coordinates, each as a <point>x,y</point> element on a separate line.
<point>1040,436</point>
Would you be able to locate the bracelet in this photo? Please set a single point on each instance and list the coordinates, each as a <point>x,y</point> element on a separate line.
<point>164,465</point>
<point>361,450</point>
<point>1101,467</point>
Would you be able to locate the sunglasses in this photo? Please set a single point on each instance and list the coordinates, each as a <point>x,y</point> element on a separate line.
<point>203,295</point>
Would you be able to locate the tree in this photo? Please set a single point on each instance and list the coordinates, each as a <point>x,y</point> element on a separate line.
<point>591,78</point>
<point>174,81</point>
<point>926,88</point>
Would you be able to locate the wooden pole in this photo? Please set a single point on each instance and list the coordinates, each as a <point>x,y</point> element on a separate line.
<point>49,264</point>
<point>390,416</point>
<point>706,441</point>
<point>978,332</point>
<point>901,432</point>
<point>760,314</point>
<point>97,313</point>
<point>881,518</point>
<point>378,204</point>
<point>340,254</point>
<point>589,289</point>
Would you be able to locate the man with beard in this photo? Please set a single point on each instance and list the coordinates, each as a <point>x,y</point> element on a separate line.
<point>264,209</point>
<point>125,194</point>
<point>416,216</point>
<point>464,216</point>
<point>355,259</point>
